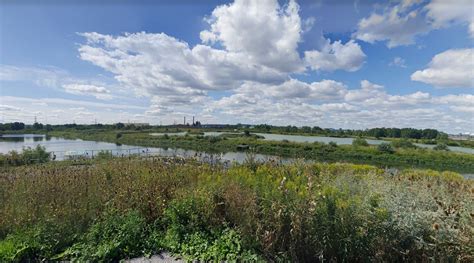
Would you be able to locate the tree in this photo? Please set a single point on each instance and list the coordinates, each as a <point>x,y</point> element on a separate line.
<point>37,126</point>
<point>15,126</point>
<point>119,125</point>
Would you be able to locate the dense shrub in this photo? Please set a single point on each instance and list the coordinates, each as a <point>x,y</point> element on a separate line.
<point>257,211</point>
<point>27,156</point>
<point>385,148</point>
<point>359,142</point>
<point>403,143</point>
<point>441,147</point>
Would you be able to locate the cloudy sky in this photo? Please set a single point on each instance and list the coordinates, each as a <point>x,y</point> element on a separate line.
<point>341,64</point>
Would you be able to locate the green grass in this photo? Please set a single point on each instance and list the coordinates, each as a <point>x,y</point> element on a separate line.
<point>112,209</point>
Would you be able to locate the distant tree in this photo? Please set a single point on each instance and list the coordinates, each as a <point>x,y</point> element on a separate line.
<point>317,129</point>
<point>429,134</point>
<point>306,129</point>
<point>119,125</point>
<point>15,126</point>
<point>37,126</point>
<point>246,133</point>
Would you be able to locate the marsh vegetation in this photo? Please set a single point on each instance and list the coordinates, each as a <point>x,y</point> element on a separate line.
<point>121,208</point>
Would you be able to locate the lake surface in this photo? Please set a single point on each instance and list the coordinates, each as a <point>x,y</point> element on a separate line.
<point>60,146</point>
<point>341,141</point>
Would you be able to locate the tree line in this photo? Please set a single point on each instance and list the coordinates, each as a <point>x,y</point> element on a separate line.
<point>409,133</point>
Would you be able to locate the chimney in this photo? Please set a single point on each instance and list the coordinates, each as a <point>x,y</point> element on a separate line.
<point>184,120</point>
<point>193,120</point>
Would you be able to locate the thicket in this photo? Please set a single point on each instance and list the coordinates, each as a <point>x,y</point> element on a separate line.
<point>117,209</point>
<point>26,156</point>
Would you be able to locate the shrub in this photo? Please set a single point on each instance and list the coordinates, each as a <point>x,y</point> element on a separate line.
<point>385,148</point>
<point>27,156</point>
<point>112,237</point>
<point>403,143</point>
<point>441,147</point>
<point>359,142</point>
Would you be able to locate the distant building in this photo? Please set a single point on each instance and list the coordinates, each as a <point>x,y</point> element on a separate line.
<point>463,137</point>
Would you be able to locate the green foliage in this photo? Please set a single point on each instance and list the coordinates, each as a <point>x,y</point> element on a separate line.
<point>359,142</point>
<point>36,243</point>
<point>385,148</point>
<point>300,212</point>
<point>403,143</point>
<point>104,155</point>
<point>441,147</point>
<point>27,156</point>
<point>111,238</point>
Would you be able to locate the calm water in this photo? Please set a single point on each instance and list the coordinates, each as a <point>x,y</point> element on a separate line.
<point>60,146</point>
<point>341,141</point>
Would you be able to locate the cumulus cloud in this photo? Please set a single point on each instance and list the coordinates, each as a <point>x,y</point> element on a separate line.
<point>451,68</point>
<point>335,56</point>
<point>91,90</point>
<point>268,35</point>
<point>400,23</point>
<point>444,13</point>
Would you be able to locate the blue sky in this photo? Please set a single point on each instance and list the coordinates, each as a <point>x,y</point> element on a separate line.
<point>349,64</point>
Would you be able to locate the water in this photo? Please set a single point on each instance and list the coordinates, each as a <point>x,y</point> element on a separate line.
<point>60,147</point>
<point>340,141</point>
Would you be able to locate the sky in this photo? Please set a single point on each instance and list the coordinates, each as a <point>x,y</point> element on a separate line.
<point>335,64</point>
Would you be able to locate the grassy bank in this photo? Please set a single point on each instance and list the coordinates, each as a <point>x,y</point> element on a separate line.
<point>402,157</point>
<point>123,208</point>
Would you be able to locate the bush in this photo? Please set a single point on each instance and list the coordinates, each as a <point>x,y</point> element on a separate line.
<point>441,147</point>
<point>27,156</point>
<point>385,148</point>
<point>111,238</point>
<point>403,143</point>
<point>359,142</point>
<point>299,212</point>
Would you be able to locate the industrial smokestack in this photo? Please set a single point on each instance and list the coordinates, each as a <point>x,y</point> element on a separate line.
<point>193,120</point>
<point>184,120</point>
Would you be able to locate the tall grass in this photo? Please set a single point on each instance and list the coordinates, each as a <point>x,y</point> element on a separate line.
<point>116,209</point>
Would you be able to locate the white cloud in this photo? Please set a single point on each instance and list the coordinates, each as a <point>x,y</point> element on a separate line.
<point>91,90</point>
<point>263,31</point>
<point>443,13</point>
<point>398,62</point>
<point>157,64</point>
<point>336,56</point>
<point>398,25</point>
<point>451,68</point>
